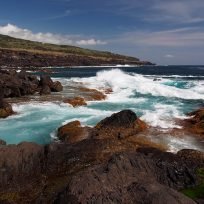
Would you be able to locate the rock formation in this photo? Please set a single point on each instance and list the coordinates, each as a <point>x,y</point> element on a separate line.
<point>13,84</point>
<point>97,168</point>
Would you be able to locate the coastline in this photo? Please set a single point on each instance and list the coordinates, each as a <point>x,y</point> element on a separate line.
<point>51,172</point>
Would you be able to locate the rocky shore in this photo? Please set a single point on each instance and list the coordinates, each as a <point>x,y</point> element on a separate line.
<point>109,163</point>
<point>14,84</point>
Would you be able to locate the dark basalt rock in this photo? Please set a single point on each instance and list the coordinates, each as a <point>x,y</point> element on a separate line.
<point>45,90</point>
<point>57,87</point>
<point>120,125</point>
<point>125,118</point>
<point>2,142</point>
<point>96,170</point>
<point>13,84</point>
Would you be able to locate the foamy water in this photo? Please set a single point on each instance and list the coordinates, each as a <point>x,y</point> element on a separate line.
<point>157,101</point>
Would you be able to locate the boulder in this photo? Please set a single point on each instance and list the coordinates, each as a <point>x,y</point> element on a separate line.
<point>120,125</point>
<point>57,87</point>
<point>76,101</point>
<point>5,109</point>
<point>73,132</point>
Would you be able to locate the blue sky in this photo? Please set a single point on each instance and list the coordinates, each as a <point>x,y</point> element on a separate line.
<point>161,31</point>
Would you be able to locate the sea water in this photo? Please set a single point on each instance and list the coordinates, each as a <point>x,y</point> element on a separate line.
<point>157,94</point>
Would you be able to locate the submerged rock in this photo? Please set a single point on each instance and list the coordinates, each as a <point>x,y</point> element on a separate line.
<point>93,94</point>
<point>76,101</point>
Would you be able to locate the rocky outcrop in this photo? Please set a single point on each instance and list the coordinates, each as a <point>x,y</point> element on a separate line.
<point>13,84</point>
<point>97,169</point>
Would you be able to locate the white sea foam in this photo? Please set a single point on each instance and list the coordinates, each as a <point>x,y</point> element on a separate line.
<point>120,81</point>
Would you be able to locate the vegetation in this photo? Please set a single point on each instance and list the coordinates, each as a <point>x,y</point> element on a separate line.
<point>7,42</point>
<point>197,191</point>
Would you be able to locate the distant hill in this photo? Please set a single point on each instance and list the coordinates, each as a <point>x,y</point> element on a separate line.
<point>24,53</point>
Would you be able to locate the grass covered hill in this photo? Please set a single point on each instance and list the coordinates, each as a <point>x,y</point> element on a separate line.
<point>24,53</point>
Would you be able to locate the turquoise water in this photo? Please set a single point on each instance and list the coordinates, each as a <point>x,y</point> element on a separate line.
<point>157,102</point>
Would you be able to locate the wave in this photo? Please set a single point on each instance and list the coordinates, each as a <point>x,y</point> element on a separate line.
<point>127,84</point>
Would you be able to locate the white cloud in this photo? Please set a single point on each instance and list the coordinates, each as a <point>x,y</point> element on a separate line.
<point>90,42</point>
<point>15,31</point>
<point>169,56</point>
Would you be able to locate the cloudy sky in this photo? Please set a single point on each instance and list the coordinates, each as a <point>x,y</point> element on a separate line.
<point>161,31</point>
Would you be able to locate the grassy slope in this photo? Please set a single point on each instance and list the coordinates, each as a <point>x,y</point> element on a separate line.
<point>7,42</point>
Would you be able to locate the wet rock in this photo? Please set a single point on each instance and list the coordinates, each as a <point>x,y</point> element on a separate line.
<point>195,124</point>
<point>76,101</point>
<point>57,87</point>
<point>2,142</point>
<point>5,109</point>
<point>45,90</point>
<point>120,125</point>
<point>93,94</point>
<point>73,132</point>
<point>45,80</point>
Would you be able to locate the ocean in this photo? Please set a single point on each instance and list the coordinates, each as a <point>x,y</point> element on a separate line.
<point>159,95</point>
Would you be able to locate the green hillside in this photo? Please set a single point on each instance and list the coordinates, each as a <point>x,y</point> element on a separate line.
<point>19,44</point>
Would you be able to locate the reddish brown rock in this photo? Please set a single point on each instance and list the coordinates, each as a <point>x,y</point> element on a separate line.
<point>195,124</point>
<point>93,94</point>
<point>5,109</point>
<point>76,101</point>
<point>73,132</point>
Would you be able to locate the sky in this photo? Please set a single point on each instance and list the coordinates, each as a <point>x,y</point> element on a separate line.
<point>161,31</point>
